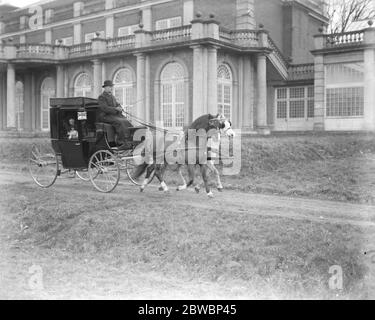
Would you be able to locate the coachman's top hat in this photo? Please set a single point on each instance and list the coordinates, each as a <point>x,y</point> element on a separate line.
<point>108,83</point>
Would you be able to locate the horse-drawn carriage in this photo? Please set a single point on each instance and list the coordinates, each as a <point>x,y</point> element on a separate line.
<point>81,144</point>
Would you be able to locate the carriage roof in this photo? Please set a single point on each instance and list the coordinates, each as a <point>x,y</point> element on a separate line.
<point>71,103</point>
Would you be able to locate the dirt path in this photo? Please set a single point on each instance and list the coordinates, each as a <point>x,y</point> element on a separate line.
<point>254,204</point>
<point>283,206</point>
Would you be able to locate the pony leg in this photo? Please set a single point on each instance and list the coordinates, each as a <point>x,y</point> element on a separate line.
<point>191,171</point>
<point>160,176</point>
<point>212,167</point>
<point>149,169</point>
<point>204,171</point>
<point>184,185</point>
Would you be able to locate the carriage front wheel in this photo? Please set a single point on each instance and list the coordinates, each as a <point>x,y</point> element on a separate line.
<point>43,165</point>
<point>104,171</point>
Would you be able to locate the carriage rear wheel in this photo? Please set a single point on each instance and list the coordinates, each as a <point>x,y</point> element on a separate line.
<point>43,165</point>
<point>104,171</point>
<point>136,177</point>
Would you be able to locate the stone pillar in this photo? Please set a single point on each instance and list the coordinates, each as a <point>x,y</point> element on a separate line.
<point>2,102</point>
<point>66,83</point>
<point>110,26</point>
<point>369,90</point>
<point>48,36</point>
<point>197,82</point>
<point>147,19</point>
<point>28,125</point>
<point>319,108</point>
<point>11,96</point>
<point>77,36</point>
<point>34,93</point>
<point>97,72</point>
<point>262,94</point>
<point>212,80</point>
<point>188,12</point>
<point>147,88</point>
<point>140,103</point>
<point>248,98</point>
<point>60,81</point>
<point>245,14</point>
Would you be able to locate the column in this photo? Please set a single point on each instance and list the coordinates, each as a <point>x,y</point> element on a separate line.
<point>77,36</point>
<point>48,36</point>
<point>34,93</point>
<point>212,80</point>
<point>140,103</point>
<point>188,11</point>
<point>11,96</point>
<point>2,102</point>
<point>197,82</point>
<point>248,95</point>
<point>369,92</point>
<point>28,124</point>
<point>147,19</point>
<point>319,107</point>
<point>109,26</point>
<point>59,81</point>
<point>147,88</point>
<point>97,66</point>
<point>262,93</point>
<point>245,16</point>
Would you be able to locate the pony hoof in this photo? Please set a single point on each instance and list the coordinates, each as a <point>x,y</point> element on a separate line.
<point>220,189</point>
<point>197,190</point>
<point>210,195</point>
<point>141,189</point>
<point>161,189</point>
<point>180,188</point>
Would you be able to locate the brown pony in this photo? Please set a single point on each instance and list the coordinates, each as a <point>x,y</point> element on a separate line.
<point>191,152</point>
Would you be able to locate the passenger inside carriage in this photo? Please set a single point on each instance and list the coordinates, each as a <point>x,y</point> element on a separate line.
<point>71,129</point>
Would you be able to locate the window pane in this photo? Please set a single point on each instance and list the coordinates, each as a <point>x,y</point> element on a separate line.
<point>281,109</point>
<point>282,93</point>
<point>297,109</point>
<point>345,102</point>
<point>296,93</point>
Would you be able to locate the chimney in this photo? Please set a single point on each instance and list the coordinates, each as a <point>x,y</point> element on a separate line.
<point>245,18</point>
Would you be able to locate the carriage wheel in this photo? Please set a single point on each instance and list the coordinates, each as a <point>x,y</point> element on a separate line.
<point>131,170</point>
<point>104,171</point>
<point>83,175</point>
<point>43,165</point>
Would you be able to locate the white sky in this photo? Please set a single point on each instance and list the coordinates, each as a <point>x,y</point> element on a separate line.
<point>19,3</point>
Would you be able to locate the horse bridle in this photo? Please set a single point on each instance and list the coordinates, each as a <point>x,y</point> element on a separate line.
<point>220,124</point>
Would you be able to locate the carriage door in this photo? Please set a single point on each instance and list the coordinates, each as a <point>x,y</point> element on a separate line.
<point>19,106</point>
<point>173,96</point>
<point>47,92</point>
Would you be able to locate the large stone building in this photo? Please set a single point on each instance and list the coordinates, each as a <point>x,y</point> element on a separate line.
<point>266,64</point>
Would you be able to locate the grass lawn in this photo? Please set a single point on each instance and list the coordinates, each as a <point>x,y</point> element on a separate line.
<point>182,246</point>
<point>243,255</point>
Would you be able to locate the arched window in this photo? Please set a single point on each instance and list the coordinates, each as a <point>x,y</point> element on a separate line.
<point>173,95</point>
<point>83,86</point>
<point>224,90</point>
<point>47,91</point>
<point>19,105</point>
<point>124,89</point>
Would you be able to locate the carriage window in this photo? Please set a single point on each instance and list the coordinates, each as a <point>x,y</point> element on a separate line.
<point>75,128</point>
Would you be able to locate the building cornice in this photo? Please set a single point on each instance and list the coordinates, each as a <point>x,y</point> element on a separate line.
<point>88,17</point>
<point>311,11</point>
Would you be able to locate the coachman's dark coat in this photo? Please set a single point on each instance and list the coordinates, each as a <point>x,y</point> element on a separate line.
<point>109,114</point>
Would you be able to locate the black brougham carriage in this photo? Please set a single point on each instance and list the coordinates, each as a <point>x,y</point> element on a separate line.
<point>81,144</point>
